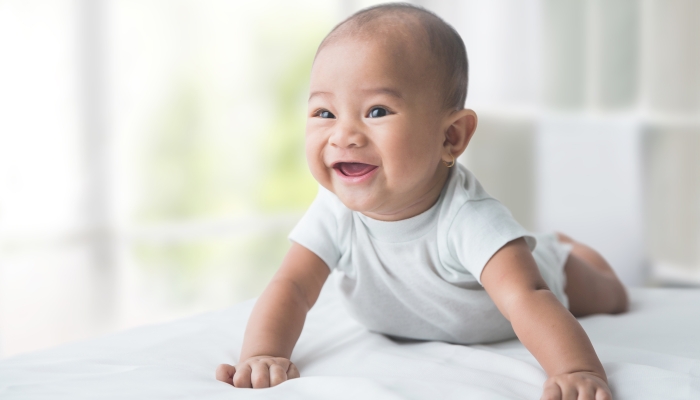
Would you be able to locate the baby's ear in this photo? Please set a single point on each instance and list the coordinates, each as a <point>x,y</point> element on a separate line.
<point>460,129</point>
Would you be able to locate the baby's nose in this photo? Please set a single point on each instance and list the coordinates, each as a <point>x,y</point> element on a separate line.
<point>347,134</point>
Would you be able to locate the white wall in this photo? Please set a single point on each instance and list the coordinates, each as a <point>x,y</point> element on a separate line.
<point>591,96</point>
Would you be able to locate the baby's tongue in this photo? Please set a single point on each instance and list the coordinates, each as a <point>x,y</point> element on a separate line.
<point>356,169</point>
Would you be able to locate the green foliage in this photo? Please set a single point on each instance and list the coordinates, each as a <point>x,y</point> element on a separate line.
<point>286,182</point>
<point>190,169</point>
<point>185,271</point>
<point>179,168</point>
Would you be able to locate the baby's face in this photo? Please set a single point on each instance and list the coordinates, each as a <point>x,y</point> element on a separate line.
<point>374,128</point>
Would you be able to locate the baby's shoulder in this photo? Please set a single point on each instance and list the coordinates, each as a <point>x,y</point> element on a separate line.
<point>463,186</point>
<point>472,226</point>
<point>469,210</point>
<point>464,194</point>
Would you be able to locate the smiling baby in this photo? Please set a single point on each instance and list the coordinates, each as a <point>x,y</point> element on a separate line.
<point>419,249</point>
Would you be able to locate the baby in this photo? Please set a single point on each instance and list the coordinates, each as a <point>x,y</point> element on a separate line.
<point>420,250</point>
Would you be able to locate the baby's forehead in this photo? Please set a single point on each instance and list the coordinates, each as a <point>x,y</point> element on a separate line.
<point>401,43</point>
<point>396,33</point>
<point>396,62</point>
<point>414,41</point>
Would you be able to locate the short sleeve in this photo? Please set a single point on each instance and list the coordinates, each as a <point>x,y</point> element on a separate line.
<point>318,229</point>
<point>479,230</point>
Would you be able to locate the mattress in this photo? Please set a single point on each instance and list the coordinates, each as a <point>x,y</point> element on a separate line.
<point>651,352</point>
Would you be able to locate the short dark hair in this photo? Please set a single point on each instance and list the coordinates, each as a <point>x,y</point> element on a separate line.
<point>445,44</point>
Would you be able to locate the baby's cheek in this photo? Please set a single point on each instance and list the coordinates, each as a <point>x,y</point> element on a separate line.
<point>417,168</point>
<point>314,158</point>
<point>418,155</point>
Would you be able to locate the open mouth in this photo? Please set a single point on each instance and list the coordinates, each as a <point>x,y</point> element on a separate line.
<point>353,169</point>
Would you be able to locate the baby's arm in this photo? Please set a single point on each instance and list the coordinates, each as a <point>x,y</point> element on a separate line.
<point>276,322</point>
<point>544,326</point>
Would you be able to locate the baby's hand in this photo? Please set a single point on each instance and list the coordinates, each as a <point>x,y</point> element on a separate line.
<point>257,372</point>
<point>576,385</point>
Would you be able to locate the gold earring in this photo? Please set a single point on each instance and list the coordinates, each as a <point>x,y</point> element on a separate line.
<point>450,164</point>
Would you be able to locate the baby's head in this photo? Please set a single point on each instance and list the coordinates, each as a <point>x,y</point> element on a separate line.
<point>386,110</point>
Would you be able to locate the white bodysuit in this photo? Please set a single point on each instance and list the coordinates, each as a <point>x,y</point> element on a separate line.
<point>419,278</point>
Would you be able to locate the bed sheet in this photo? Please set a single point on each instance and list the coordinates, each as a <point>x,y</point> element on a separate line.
<point>651,352</point>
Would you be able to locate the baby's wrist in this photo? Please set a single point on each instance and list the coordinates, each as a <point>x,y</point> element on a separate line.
<point>596,374</point>
<point>600,375</point>
<point>259,356</point>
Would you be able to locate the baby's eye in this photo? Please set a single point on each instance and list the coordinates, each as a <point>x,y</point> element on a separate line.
<point>324,114</point>
<point>377,112</point>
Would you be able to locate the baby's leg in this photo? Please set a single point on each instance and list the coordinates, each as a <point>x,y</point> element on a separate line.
<point>591,284</point>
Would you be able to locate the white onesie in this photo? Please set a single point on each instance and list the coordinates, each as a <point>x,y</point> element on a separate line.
<point>419,278</point>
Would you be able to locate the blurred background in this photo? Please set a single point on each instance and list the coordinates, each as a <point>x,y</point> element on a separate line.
<point>151,151</point>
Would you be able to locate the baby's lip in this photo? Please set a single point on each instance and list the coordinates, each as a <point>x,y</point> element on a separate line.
<point>336,164</point>
<point>353,168</point>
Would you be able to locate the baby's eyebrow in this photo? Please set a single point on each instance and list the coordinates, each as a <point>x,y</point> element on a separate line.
<point>382,90</point>
<point>386,90</point>
<point>318,92</point>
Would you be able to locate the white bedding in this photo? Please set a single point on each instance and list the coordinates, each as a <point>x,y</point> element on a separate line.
<point>652,352</point>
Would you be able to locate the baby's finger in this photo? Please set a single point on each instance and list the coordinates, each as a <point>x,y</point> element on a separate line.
<point>242,377</point>
<point>586,393</point>
<point>292,371</point>
<point>602,394</point>
<point>569,393</point>
<point>225,372</point>
<point>551,392</point>
<point>277,375</point>
<point>260,377</point>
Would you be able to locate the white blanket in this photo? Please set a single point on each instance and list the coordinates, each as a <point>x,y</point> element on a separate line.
<point>652,352</point>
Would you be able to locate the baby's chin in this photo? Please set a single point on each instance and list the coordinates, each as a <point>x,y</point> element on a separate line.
<point>356,201</point>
